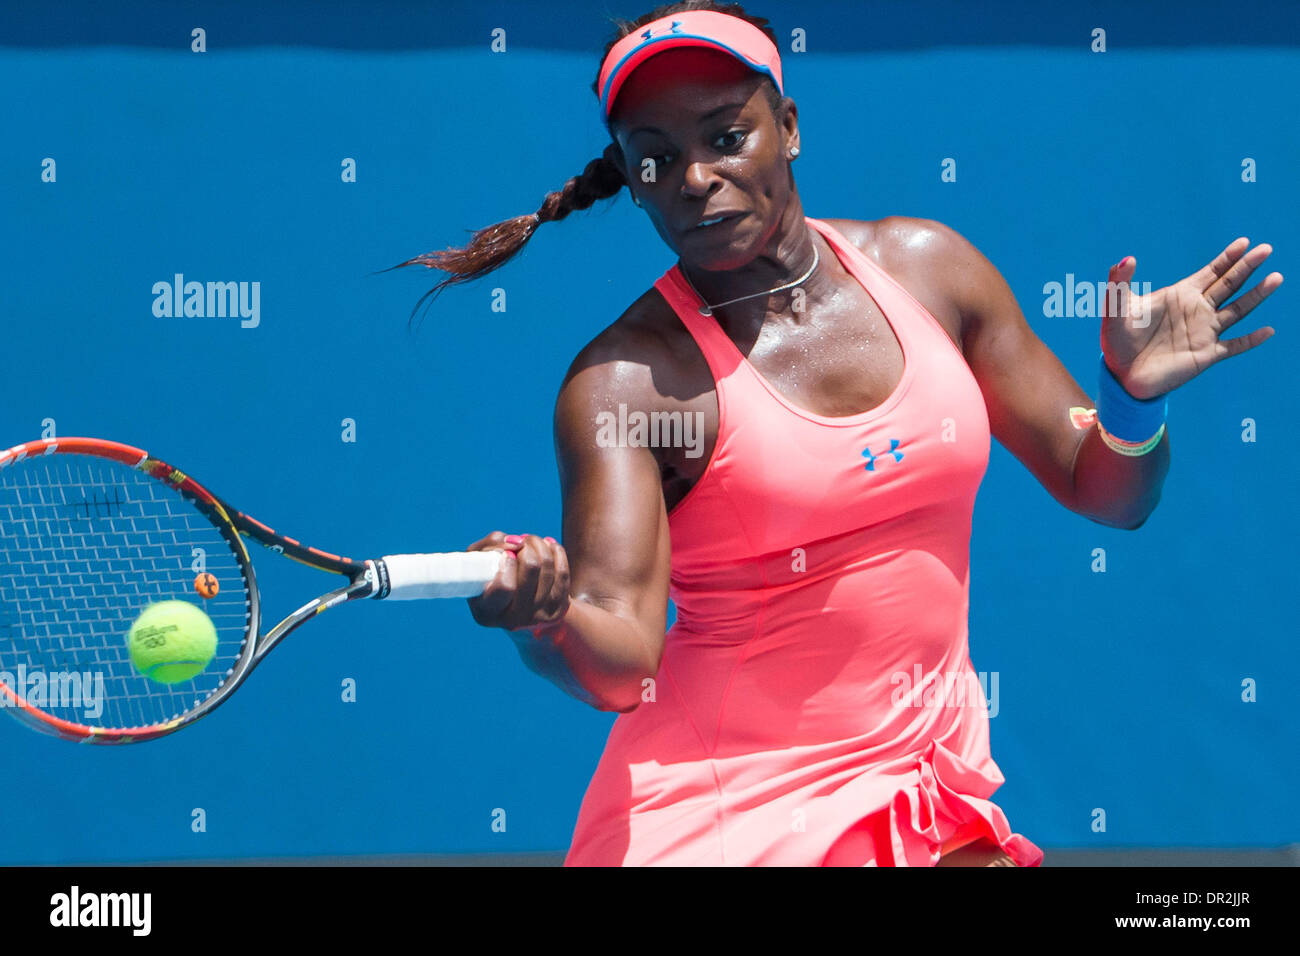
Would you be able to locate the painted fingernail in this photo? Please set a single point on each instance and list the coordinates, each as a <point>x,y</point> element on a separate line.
<point>514,539</point>
<point>550,540</point>
<point>511,554</point>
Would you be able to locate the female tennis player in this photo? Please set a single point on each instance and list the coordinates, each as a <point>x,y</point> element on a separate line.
<point>815,539</point>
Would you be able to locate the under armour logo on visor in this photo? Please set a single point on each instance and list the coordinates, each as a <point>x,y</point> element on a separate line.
<point>673,29</point>
<point>871,459</point>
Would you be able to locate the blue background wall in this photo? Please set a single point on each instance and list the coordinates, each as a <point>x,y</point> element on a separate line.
<point>1119,690</point>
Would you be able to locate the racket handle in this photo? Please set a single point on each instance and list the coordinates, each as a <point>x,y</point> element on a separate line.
<point>417,577</point>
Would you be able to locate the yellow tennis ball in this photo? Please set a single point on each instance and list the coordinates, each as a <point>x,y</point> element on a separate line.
<point>172,641</point>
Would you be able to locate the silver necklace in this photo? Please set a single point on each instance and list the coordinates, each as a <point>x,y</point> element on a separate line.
<point>707,309</point>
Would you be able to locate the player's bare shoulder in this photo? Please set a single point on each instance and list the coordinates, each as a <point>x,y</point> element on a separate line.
<point>917,254</point>
<point>618,357</point>
<point>895,240</point>
<point>624,363</point>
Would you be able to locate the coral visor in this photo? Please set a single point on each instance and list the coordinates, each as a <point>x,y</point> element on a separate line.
<point>703,28</point>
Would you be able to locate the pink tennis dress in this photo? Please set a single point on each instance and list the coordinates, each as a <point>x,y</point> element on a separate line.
<point>816,703</point>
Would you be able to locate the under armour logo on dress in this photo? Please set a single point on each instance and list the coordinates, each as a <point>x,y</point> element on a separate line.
<point>871,459</point>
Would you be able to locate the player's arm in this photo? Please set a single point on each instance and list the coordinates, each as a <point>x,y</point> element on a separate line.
<point>615,541</point>
<point>1028,394</point>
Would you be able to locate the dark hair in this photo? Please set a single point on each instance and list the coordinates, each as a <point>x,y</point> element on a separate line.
<point>493,246</point>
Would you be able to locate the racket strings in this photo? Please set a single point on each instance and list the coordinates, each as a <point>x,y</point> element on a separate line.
<point>86,544</point>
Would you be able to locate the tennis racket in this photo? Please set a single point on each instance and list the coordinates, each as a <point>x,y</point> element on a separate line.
<point>93,532</point>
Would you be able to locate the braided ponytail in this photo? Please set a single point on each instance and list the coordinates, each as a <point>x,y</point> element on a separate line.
<point>493,246</point>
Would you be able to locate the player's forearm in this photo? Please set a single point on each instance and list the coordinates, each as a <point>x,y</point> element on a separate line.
<point>1118,490</point>
<point>594,655</point>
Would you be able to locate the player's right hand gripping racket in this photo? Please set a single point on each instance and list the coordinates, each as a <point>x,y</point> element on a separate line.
<point>93,532</point>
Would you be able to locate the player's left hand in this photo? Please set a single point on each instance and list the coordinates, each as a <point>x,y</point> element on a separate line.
<point>1154,343</point>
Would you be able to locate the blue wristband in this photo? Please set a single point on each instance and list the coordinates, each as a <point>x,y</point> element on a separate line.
<point>1128,418</point>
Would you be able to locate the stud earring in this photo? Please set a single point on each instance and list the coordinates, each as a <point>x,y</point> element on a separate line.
<point>794,151</point>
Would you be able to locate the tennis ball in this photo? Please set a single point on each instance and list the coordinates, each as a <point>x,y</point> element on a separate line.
<point>172,641</point>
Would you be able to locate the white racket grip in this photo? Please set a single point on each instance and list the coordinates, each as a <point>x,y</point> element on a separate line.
<point>418,577</point>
